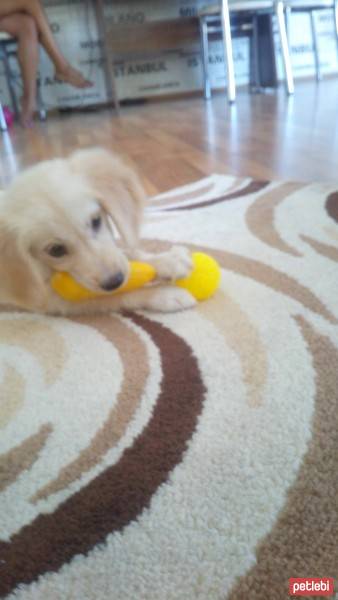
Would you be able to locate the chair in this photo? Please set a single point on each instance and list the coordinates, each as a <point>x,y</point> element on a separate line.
<point>8,50</point>
<point>310,6</point>
<point>222,17</point>
<point>3,124</point>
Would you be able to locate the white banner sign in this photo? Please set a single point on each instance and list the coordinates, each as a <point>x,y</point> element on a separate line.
<point>74,27</point>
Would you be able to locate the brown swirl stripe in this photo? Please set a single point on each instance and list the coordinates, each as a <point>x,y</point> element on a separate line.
<point>12,394</point>
<point>119,494</point>
<point>131,349</point>
<point>281,282</point>
<point>252,188</point>
<point>260,272</point>
<point>243,337</point>
<point>22,457</point>
<point>303,542</point>
<point>37,338</point>
<point>171,198</point>
<point>324,249</point>
<point>332,206</point>
<point>260,216</point>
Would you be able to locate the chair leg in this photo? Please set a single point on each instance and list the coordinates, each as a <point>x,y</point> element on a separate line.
<point>315,46</point>
<point>229,61</point>
<point>11,87</point>
<point>279,8</point>
<point>256,80</point>
<point>3,124</point>
<point>41,107</point>
<point>335,9</point>
<point>288,12</point>
<point>205,57</point>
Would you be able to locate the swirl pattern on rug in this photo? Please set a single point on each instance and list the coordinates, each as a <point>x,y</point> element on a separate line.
<point>189,455</point>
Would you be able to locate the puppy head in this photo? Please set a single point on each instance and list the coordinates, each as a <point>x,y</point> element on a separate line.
<point>115,186</point>
<point>58,217</point>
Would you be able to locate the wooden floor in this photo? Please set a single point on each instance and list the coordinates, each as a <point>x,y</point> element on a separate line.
<point>178,141</point>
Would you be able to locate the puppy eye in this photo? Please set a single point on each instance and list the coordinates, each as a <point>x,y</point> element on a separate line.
<point>96,223</point>
<point>57,250</point>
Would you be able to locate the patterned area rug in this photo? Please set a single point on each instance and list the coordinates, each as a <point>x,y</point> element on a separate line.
<point>194,455</point>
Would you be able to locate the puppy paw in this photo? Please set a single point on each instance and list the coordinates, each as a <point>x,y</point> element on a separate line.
<point>174,264</point>
<point>170,299</point>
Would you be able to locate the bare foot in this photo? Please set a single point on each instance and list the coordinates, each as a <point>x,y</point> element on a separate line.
<point>28,109</point>
<point>73,77</point>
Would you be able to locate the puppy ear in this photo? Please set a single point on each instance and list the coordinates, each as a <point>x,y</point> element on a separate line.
<point>116,187</point>
<point>22,280</point>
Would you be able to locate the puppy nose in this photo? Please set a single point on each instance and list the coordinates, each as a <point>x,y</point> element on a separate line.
<point>113,282</point>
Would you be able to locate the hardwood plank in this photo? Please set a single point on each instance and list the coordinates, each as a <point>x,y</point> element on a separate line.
<point>174,142</point>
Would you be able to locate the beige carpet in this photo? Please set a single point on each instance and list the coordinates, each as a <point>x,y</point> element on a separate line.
<point>150,457</point>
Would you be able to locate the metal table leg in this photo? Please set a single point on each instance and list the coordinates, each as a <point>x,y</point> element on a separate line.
<point>229,61</point>
<point>205,57</point>
<point>279,8</point>
<point>315,46</point>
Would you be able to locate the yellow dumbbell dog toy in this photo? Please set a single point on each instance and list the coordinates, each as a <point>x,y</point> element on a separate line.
<point>202,282</point>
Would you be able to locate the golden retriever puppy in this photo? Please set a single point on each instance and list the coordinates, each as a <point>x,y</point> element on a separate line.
<point>60,215</point>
